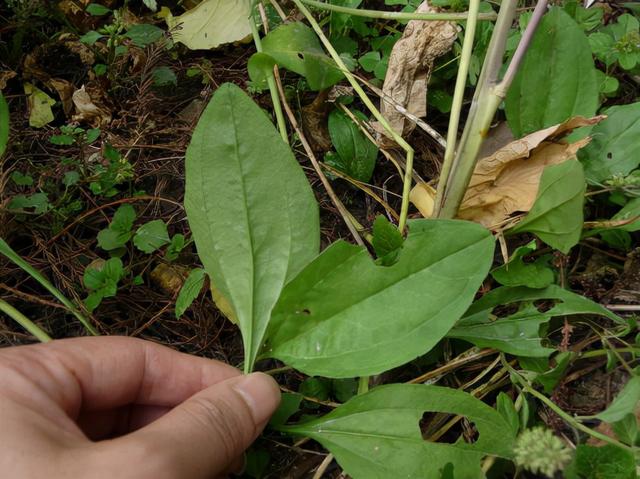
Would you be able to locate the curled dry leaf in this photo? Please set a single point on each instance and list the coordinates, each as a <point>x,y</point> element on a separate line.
<point>90,108</point>
<point>5,76</point>
<point>169,278</point>
<point>506,181</point>
<point>410,66</point>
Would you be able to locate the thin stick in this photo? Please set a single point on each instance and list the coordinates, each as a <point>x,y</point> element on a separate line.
<point>346,216</point>
<point>323,467</point>
<point>464,358</point>
<point>358,12</point>
<point>23,321</point>
<point>461,83</point>
<point>404,209</point>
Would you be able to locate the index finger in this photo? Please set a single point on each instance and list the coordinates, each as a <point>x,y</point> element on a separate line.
<point>96,373</point>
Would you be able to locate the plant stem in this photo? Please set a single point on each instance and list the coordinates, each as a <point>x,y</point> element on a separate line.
<point>358,12</point>
<point>23,321</point>
<point>271,81</point>
<point>487,98</point>
<point>526,387</point>
<point>363,385</point>
<point>461,83</point>
<point>404,209</point>
<point>14,257</point>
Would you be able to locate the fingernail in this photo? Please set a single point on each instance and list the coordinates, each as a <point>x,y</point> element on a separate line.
<point>261,393</point>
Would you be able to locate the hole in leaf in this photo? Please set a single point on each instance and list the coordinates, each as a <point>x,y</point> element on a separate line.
<point>300,56</point>
<point>609,155</point>
<point>306,312</point>
<point>543,305</point>
<point>433,426</point>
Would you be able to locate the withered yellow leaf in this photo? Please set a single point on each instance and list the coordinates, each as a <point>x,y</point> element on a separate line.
<point>507,181</point>
<point>39,106</point>
<point>212,23</point>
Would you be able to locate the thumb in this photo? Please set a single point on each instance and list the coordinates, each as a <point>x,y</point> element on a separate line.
<point>203,436</point>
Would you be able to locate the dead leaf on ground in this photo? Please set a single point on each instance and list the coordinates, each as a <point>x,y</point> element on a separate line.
<point>40,104</point>
<point>5,76</point>
<point>169,278</point>
<point>507,181</point>
<point>90,107</point>
<point>212,23</point>
<point>410,66</point>
<point>314,122</point>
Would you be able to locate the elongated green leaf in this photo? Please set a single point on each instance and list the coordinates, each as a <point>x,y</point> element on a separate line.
<point>556,217</point>
<point>190,290</point>
<point>344,316</point>
<point>356,153</point>
<point>377,436</point>
<point>14,257</point>
<point>624,403</point>
<point>296,47</point>
<point>557,79</point>
<point>4,124</point>
<point>614,149</point>
<point>251,210</point>
<point>518,333</point>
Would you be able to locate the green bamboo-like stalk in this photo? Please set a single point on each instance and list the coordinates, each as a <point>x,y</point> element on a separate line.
<point>490,92</point>
<point>360,12</point>
<point>461,83</point>
<point>23,321</point>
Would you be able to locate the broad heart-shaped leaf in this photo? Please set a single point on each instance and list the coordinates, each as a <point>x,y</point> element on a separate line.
<point>556,217</point>
<point>345,316</point>
<point>614,148</point>
<point>251,210</point>
<point>557,79</point>
<point>357,154</point>
<point>518,333</point>
<point>212,23</point>
<point>296,47</point>
<point>377,436</point>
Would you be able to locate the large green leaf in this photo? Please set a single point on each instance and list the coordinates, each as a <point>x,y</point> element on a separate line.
<point>296,47</point>
<point>251,210</point>
<point>556,216</point>
<point>377,435</point>
<point>356,153</point>
<point>345,316</point>
<point>557,79</point>
<point>614,149</point>
<point>518,333</point>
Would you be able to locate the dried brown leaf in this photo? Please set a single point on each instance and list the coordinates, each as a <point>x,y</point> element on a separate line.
<point>5,76</point>
<point>409,70</point>
<point>507,181</point>
<point>90,107</point>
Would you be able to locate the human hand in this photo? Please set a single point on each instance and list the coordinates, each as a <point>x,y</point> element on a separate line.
<point>120,408</point>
